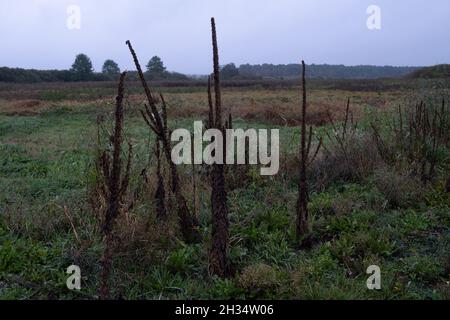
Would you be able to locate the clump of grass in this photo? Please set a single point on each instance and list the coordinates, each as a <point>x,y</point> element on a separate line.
<point>258,279</point>
<point>400,189</point>
<point>422,268</point>
<point>356,250</point>
<point>355,165</point>
<point>348,155</point>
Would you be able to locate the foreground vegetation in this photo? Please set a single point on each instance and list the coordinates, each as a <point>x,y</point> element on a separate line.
<point>365,209</point>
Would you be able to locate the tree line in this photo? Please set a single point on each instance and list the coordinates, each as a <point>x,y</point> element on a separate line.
<point>82,70</point>
<point>324,71</point>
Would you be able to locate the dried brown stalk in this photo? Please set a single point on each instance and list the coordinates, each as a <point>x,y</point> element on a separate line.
<point>160,193</point>
<point>66,212</point>
<point>341,138</point>
<point>115,185</point>
<point>219,263</point>
<point>302,223</point>
<point>417,137</point>
<point>194,180</point>
<point>158,123</point>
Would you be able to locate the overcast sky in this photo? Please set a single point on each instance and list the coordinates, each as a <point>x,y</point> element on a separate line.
<point>34,33</point>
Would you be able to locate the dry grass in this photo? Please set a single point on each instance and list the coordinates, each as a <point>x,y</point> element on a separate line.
<point>279,107</point>
<point>23,107</point>
<point>271,106</point>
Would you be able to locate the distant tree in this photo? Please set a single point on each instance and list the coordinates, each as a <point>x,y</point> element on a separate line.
<point>155,67</point>
<point>110,67</point>
<point>82,67</point>
<point>229,71</point>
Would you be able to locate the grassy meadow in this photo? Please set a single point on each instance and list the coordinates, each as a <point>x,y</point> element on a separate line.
<point>366,209</point>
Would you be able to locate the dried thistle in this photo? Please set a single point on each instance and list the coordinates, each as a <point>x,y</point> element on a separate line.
<point>116,182</point>
<point>342,137</point>
<point>418,134</point>
<point>302,223</point>
<point>160,193</point>
<point>158,123</point>
<point>219,263</point>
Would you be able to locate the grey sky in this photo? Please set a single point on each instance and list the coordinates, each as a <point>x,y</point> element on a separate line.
<point>33,33</point>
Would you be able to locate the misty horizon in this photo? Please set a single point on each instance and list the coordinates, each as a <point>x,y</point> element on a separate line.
<point>254,32</point>
<point>98,69</point>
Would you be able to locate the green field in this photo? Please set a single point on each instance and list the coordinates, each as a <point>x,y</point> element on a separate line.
<point>367,211</point>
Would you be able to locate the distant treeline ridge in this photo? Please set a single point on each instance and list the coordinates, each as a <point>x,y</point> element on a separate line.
<point>325,71</point>
<point>245,71</point>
